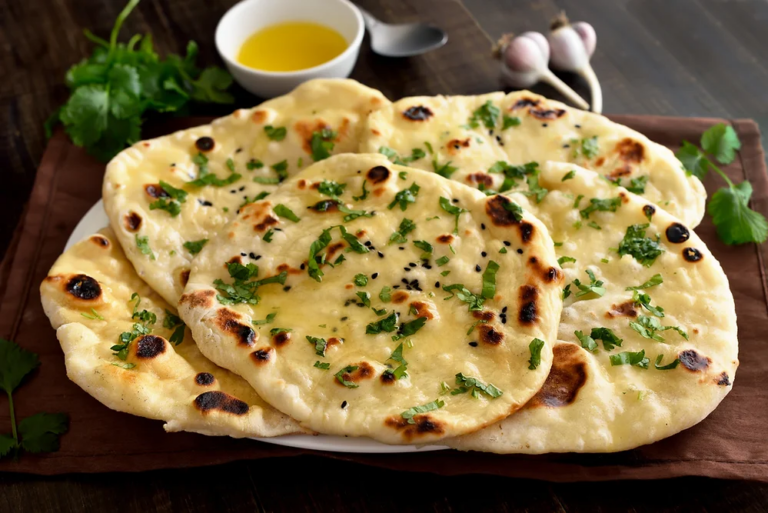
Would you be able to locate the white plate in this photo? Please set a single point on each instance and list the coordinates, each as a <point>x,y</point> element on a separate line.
<point>96,219</point>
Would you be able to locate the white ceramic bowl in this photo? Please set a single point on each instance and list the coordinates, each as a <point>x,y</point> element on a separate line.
<point>249,16</point>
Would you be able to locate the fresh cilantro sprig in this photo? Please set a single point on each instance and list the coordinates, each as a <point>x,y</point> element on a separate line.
<point>736,223</point>
<point>39,432</point>
<point>410,413</point>
<point>475,387</point>
<point>113,89</point>
<point>452,209</point>
<point>244,287</point>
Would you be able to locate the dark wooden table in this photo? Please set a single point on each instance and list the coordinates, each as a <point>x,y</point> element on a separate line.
<point>673,57</point>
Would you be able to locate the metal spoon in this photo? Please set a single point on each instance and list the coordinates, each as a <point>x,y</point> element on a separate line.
<point>402,40</point>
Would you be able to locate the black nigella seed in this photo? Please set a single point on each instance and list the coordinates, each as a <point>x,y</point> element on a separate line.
<point>205,144</point>
<point>519,251</point>
<point>504,320</point>
<point>437,284</point>
<point>490,132</point>
<point>426,266</point>
<point>173,164</point>
<point>302,266</point>
<point>258,257</point>
<point>455,200</point>
<point>344,404</point>
<point>374,276</point>
<point>577,126</point>
<point>498,140</point>
<point>507,243</point>
<point>344,318</point>
<point>401,248</point>
<point>252,255</point>
<point>406,269</point>
<point>242,254</point>
<point>205,203</point>
<point>566,146</point>
<point>544,125</point>
<point>504,310</point>
<point>411,264</point>
<point>482,226</point>
<point>381,255</point>
<point>473,344</point>
<point>238,150</point>
<point>241,189</point>
<point>404,281</point>
<point>483,254</point>
<point>368,243</point>
<point>395,286</point>
<point>478,268</point>
<point>233,191</point>
<point>287,288</point>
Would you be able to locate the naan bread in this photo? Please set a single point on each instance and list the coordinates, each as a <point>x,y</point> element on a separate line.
<point>537,129</point>
<point>587,404</point>
<point>154,240</point>
<point>336,368</point>
<point>173,383</point>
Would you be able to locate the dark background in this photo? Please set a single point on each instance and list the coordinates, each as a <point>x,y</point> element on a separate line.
<point>669,57</point>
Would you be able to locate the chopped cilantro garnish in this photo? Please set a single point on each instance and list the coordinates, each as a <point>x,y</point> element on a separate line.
<point>143,244</point>
<point>194,246</point>
<point>644,300</point>
<point>570,174</point>
<point>416,154</point>
<point>260,196</point>
<point>254,164</point>
<point>205,177</point>
<point>320,345</point>
<point>669,366</point>
<point>268,320</point>
<point>487,114</point>
<point>361,280</point>
<point>341,379</point>
<point>578,200</point>
<point>656,279</point>
<point>386,325</point>
<point>609,338</point>
<point>331,188</point>
<point>509,121</point>
<point>268,236</point>
<point>594,225</point>
<point>286,212</point>
<point>442,261</point>
<point>637,185</point>
<point>398,237</point>
<point>648,326</point>
<point>594,287</point>
<point>351,215</point>
<point>503,250</point>
<point>446,205</point>
<point>445,170</point>
<point>281,168</point>
<point>174,322</point>
<point>565,259</point>
<point>475,301</point>
<point>365,298</point>
<point>489,280</point>
<point>587,147</point>
<point>322,365</point>
<point>404,197</point>
<point>602,205</point>
<point>363,194</point>
<point>534,189</point>
<point>513,173</point>
<point>386,294</point>
<point>407,329</point>
<point>243,290</point>
<point>94,315</point>
<point>276,133</point>
<point>265,180</point>
<point>629,358</point>
<point>425,246</point>
<point>322,144</point>
<point>313,264</point>
<point>587,342</point>
<point>412,412</point>
<point>645,250</point>
<point>475,386</point>
<point>400,371</point>
<point>535,348</point>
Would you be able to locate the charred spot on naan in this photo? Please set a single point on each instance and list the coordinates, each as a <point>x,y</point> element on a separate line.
<point>496,209</point>
<point>567,376</point>
<point>184,277</point>
<point>132,221</point>
<point>488,335</point>
<point>417,113</point>
<point>333,249</point>
<point>445,238</point>
<point>546,114</point>
<point>630,151</point>
<point>205,379</point>
<point>526,232</point>
<point>723,380</point>
<point>287,268</point>
<point>83,287</point>
<point>364,371</point>
<point>228,321</point>
<point>400,297</point>
<point>618,173</point>
<point>261,356</point>
<point>199,298</point>
<point>282,338</point>
<point>649,210</point>
<point>525,102</point>
<point>237,259</point>
<point>220,401</point>
<point>378,174</point>
<point>483,315</point>
<point>625,309</point>
<point>454,146</point>
<point>480,178</point>
<point>528,313</point>
<point>387,378</point>
<point>265,224</point>
<point>422,310</point>
<point>692,255</point>
<point>548,274</point>
<point>677,233</point>
<point>259,116</point>
<point>424,426</point>
<point>693,361</point>
<point>150,346</point>
<point>100,241</point>
<point>205,144</point>
<point>154,190</point>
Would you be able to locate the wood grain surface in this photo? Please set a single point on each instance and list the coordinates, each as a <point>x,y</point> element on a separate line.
<point>675,57</point>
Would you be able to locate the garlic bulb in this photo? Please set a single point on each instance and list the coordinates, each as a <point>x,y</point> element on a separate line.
<point>571,47</point>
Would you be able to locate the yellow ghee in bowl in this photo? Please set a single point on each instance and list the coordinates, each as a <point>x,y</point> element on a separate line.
<point>291,46</point>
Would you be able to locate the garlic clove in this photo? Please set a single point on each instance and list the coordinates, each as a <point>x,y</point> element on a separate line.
<point>541,41</point>
<point>567,50</point>
<point>523,54</point>
<point>588,36</point>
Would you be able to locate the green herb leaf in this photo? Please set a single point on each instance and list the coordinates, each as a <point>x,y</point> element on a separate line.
<point>94,315</point>
<point>363,195</point>
<point>449,207</point>
<point>644,300</point>
<point>320,345</point>
<point>475,301</point>
<point>405,197</point>
<point>15,364</point>
<point>268,320</point>
<point>283,211</point>
<point>535,348</point>
<point>40,432</point>
<point>254,164</point>
<point>322,365</point>
<point>386,294</point>
<point>172,321</point>
<point>410,413</point>
<point>467,384</point>
<point>406,227</point>
<point>565,259</point>
<point>609,338</point>
<point>587,342</point>
<point>645,250</point>
<point>331,188</point>
<point>143,244</point>
<point>629,358</point>
<point>194,246</point>
<point>425,246</point>
<point>442,261</point>
<point>602,205</point>
<point>400,371</point>
<point>386,325</point>
<point>736,223</point>
<point>487,114</point>
<point>637,185</point>
<point>361,280</point>
<point>275,133</point>
<point>721,141</point>
<point>569,175</point>
<point>656,279</point>
<point>669,366</point>
<point>489,280</point>
<point>648,327</point>
<point>341,379</point>
<point>694,161</point>
<point>594,287</point>
<point>445,170</point>
<point>509,122</point>
<point>408,329</point>
<point>322,144</point>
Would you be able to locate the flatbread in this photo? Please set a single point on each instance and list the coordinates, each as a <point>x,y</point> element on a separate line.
<point>588,404</point>
<point>538,129</point>
<point>87,297</point>
<point>359,346</point>
<point>154,239</point>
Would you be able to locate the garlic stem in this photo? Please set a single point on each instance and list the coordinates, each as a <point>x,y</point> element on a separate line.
<point>563,88</point>
<point>594,86</point>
